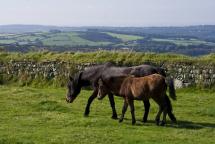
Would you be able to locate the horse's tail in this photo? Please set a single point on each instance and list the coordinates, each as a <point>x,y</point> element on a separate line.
<point>170,83</point>
<point>169,109</point>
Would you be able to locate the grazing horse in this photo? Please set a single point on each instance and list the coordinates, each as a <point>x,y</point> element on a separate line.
<point>90,76</point>
<point>137,88</point>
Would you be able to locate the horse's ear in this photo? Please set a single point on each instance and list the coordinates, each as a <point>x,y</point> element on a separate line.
<point>70,78</point>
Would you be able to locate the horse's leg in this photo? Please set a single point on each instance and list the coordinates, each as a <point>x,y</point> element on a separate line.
<point>124,108</point>
<point>171,116</point>
<point>157,119</point>
<point>159,102</point>
<point>164,104</point>
<point>112,103</point>
<point>163,122</point>
<point>90,100</point>
<point>131,104</point>
<point>147,106</point>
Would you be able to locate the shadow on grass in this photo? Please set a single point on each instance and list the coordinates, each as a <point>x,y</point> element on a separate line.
<point>180,124</point>
<point>192,125</point>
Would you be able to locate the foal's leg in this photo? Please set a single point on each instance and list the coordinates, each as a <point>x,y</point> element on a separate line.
<point>124,108</point>
<point>159,102</point>
<point>90,100</point>
<point>112,103</point>
<point>163,122</point>
<point>131,104</point>
<point>147,106</point>
<point>164,112</point>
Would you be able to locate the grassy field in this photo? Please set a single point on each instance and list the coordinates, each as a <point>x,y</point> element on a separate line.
<point>124,58</point>
<point>75,39</point>
<point>92,40</point>
<point>183,42</point>
<point>63,38</point>
<point>50,39</point>
<point>134,58</point>
<point>124,37</point>
<point>70,39</point>
<point>33,115</point>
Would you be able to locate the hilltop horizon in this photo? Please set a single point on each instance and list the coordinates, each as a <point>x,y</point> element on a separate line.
<point>191,40</point>
<point>55,25</point>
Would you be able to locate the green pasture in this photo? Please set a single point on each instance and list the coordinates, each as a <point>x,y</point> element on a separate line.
<point>184,42</point>
<point>69,39</point>
<point>75,38</point>
<point>7,41</point>
<point>41,115</point>
<point>125,37</point>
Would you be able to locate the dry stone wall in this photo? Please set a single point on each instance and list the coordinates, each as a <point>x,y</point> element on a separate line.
<point>185,74</point>
<point>192,74</point>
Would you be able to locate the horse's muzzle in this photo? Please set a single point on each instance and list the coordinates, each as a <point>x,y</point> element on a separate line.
<point>69,100</point>
<point>99,97</point>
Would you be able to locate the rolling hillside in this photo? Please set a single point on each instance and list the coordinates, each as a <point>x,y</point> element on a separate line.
<point>33,38</point>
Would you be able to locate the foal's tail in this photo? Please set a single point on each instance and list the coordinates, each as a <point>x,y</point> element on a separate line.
<point>170,83</point>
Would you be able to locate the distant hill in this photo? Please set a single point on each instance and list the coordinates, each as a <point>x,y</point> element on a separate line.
<point>203,31</point>
<point>34,28</point>
<point>192,40</point>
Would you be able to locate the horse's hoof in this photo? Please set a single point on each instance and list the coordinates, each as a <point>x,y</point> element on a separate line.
<point>157,121</point>
<point>174,121</point>
<point>162,123</point>
<point>144,120</point>
<point>120,120</point>
<point>114,117</point>
<point>86,114</point>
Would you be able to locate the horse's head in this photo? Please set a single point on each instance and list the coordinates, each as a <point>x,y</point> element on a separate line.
<point>74,87</point>
<point>102,89</point>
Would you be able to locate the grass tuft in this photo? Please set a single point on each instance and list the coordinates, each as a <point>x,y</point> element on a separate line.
<point>51,106</point>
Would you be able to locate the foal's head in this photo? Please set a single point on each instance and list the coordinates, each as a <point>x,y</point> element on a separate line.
<point>102,89</point>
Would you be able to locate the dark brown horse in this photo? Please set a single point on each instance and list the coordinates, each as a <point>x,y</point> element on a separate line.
<point>138,88</point>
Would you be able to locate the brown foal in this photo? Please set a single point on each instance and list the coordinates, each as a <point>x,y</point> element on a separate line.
<point>137,88</point>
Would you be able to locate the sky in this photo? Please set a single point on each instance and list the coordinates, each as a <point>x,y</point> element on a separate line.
<point>108,12</point>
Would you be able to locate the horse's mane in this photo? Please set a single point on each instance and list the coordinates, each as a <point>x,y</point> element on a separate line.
<point>93,67</point>
<point>91,72</point>
<point>77,78</point>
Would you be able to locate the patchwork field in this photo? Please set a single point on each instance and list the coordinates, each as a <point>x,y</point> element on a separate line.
<point>41,115</point>
<point>86,40</point>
